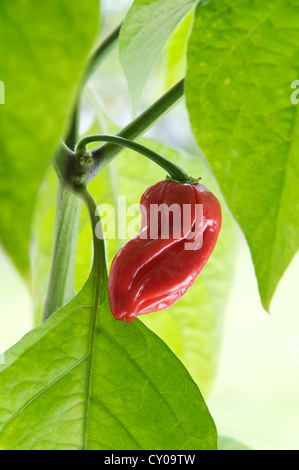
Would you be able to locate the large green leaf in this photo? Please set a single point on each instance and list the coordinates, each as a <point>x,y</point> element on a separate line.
<point>242,59</point>
<point>44,47</point>
<point>146,29</point>
<point>83,380</point>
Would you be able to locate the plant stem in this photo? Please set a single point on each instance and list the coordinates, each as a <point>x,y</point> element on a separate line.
<point>103,154</point>
<point>61,283</point>
<point>100,52</point>
<point>96,224</point>
<point>174,170</point>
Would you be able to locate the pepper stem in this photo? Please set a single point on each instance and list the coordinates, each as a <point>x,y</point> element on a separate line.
<point>175,172</point>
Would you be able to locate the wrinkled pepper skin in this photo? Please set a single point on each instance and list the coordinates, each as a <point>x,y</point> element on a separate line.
<point>148,275</point>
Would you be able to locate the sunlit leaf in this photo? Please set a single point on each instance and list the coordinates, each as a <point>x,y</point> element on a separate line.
<point>83,380</point>
<point>44,47</point>
<point>147,27</point>
<point>242,59</point>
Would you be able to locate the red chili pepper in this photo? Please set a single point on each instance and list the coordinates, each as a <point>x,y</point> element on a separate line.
<point>154,269</point>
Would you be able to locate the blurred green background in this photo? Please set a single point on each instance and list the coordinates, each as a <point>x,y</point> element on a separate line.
<point>255,395</point>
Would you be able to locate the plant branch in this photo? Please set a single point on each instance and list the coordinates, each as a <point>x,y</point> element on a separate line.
<point>61,282</point>
<point>100,52</point>
<point>174,170</point>
<point>103,154</point>
<point>96,225</point>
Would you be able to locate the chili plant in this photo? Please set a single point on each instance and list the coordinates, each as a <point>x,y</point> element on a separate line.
<point>81,378</point>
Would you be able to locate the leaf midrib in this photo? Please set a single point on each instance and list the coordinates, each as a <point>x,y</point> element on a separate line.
<point>97,281</point>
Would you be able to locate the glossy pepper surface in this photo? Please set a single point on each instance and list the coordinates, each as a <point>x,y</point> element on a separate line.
<point>155,268</point>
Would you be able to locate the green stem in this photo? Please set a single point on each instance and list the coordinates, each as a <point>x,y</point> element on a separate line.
<point>104,154</point>
<point>99,275</point>
<point>98,242</point>
<point>174,171</point>
<point>61,282</point>
<point>100,52</point>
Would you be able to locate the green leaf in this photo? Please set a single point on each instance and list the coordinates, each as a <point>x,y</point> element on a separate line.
<point>83,380</point>
<point>242,59</point>
<point>43,51</point>
<point>176,51</point>
<point>146,29</point>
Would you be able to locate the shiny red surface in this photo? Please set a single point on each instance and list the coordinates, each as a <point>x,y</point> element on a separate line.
<point>151,274</point>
